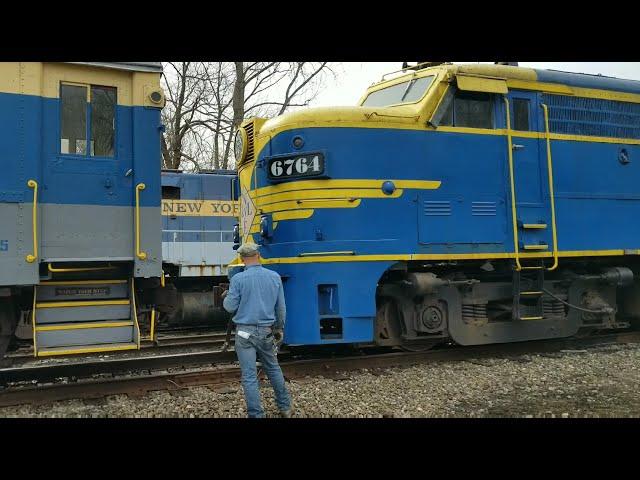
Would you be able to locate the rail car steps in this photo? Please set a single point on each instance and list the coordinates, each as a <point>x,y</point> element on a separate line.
<point>84,316</point>
<point>528,285</point>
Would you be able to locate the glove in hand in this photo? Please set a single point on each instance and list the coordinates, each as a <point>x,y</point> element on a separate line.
<point>278,335</point>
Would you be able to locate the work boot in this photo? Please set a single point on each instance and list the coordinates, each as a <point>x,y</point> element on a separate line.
<point>286,413</point>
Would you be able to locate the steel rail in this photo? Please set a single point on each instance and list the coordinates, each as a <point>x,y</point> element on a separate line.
<point>141,384</point>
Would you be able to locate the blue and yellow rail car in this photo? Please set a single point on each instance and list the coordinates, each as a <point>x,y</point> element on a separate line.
<point>199,211</point>
<point>79,201</point>
<point>465,203</point>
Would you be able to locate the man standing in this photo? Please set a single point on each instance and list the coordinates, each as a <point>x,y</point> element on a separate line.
<point>256,298</point>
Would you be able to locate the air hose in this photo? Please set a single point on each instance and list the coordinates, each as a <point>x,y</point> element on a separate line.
<point>608,310</point>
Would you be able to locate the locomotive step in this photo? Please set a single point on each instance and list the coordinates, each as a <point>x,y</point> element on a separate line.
<point>84,316</point>
<point>534,226</point>
<point>73,335</point>
<point>80,326</point>
<point>82,311</point>
<point>82,290</point>
<point>83,303</point>
<point>96,348</point>
<point>540,246</point>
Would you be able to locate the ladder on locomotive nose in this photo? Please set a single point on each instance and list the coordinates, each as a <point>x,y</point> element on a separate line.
<point>527,300</point>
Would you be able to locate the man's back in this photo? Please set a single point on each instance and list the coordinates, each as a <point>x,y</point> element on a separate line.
<point>257,297</point>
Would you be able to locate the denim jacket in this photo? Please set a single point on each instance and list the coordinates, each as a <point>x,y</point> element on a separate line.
<point>256,297</point>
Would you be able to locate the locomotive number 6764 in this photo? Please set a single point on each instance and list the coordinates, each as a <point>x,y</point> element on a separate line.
<point>309,165</point>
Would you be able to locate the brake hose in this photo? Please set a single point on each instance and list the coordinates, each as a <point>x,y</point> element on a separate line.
<point>575,306</point>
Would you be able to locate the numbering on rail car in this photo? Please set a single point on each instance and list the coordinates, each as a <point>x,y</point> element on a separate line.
<point>310,165</point>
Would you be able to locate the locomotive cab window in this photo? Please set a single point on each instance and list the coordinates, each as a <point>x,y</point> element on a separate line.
<point>87,112</point>
<point>469,109</point>
<point>410,91</point>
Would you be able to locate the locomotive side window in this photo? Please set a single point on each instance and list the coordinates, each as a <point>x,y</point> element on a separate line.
<point>87,112</point>
<point>469,109</point>
<point>473,109</point>
<point>103,112</point>
<point>73,128</point>
<point>521,114</point>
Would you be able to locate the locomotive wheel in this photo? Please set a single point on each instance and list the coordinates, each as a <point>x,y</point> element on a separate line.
<point>388,323</point>
<point>390,329</point>
<point>418,346</point>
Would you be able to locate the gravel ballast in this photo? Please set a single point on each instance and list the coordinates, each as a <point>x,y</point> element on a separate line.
<point>598,382</point>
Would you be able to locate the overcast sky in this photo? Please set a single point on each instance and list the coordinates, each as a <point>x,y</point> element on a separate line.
<point>354,78</point>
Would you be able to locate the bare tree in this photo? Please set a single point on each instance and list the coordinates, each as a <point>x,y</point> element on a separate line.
<point>207,102</point>
<point>183,84</point>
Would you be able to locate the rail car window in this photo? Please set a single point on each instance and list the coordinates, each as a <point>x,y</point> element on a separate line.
<point>73,129</point>
<point>87,112</point>
<point>469,109</point>
<point>103,115</point>
<point>521,114</point>
<point>406,92</point>
<point>170,193</point>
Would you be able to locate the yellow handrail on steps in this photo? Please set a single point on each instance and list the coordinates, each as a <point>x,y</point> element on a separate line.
<point>33,257</point>
<point>78,269</point>
<point>513,189</point>
<point>140,254</point>
<point>552,195</point>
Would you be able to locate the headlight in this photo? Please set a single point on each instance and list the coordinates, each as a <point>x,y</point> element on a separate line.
<point>240,145</point>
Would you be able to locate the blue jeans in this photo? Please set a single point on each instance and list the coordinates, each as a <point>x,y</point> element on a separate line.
<point>259,345</point>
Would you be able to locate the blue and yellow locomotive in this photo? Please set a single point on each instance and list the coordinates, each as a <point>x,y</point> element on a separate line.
<point>79,202</point>
<point>457,203</point>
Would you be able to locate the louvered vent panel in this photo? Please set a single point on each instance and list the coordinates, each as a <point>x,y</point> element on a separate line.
<point>593,116</point>
<point>250,142</point>
<point>483,209</point>
<point>437,208</point>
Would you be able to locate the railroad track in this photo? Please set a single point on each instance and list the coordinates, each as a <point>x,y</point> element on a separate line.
<point>166,342</point>
<point>88,381</point>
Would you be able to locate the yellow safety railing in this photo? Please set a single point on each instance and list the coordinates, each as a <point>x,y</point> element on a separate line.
<point>33,257</point>
<point>152,333</point>
<point>513,188</point>
<point>135,311</point>
<point>33,322</point>
<point>78,269</point>
<point>140,254</point>
<point>552,195</point>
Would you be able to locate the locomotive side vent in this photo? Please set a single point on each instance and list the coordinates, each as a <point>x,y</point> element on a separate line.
<point>483,209</point>
<point>249,128</point>
<point>437,208</point>
<point>593,116</point>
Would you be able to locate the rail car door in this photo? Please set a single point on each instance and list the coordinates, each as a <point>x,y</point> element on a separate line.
<point>87,176</point>
<point>529,173</point>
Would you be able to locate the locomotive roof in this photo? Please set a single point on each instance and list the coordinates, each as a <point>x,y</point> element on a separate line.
<point>581,80</point>
<point>133,66</point>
